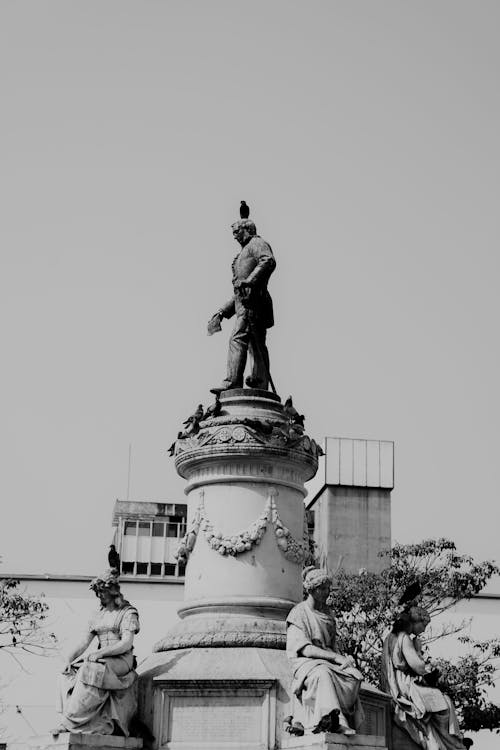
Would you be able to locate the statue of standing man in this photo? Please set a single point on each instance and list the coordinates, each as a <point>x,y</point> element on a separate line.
<point>251,304</point>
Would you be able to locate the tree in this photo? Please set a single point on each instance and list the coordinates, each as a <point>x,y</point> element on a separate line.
<point>22,620</point>
<point>366,605</point>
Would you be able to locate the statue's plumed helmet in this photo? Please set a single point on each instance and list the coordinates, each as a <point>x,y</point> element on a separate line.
<point>247,224</point>
<point>313,578</point>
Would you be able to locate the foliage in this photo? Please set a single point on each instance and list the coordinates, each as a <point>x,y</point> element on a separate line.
<point>466,682</point>
<point>366,605</point>
<point>22,618</point>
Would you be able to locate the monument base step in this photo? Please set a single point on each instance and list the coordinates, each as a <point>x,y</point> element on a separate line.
<point>329,741</point>
<point>74,741</point>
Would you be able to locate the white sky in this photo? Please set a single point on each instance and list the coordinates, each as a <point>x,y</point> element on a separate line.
<point>364,136</point>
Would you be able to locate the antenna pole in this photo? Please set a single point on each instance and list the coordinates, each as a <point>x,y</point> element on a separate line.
<point>129,467</point>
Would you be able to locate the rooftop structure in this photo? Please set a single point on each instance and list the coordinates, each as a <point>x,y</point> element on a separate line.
<point>147,536</point>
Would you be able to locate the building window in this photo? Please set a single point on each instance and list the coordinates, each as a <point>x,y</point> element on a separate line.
<point>149,547</point>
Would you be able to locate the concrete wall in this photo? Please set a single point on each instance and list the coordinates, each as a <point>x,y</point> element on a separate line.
<point>355,523</point>
<point>350,498</point>
<point>71,604</point>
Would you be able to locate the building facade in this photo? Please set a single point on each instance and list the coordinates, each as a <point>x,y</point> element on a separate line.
<point>147,537</point>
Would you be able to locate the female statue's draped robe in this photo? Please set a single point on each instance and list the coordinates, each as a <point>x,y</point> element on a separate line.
<point>320,685</point>
<point>425,713</point>
<point>98,696</point>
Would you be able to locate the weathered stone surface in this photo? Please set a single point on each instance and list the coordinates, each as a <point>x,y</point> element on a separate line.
<point>224,681</point>
<point>334,742</point>
<point>401,740</point>
<point>245,544</point>
<point>224,630</point>
<point>252,425</point>
<point>74,741</point>
<point>232,667</point>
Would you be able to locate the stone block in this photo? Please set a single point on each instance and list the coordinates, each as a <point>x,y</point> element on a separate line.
<point>74,741</point>
<point>227,714</point>
<point>329,741</point>
<point>376,707</point>
<point>401,740</point>
<point>239,691</point>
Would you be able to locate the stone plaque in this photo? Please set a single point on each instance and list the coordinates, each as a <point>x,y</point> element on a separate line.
<point>215,714</point>
<point>221,718</point>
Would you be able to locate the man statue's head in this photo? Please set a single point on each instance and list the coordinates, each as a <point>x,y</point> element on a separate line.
<point>243,231</point>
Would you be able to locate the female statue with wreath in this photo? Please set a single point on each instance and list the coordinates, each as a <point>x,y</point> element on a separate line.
<point>98,694</point>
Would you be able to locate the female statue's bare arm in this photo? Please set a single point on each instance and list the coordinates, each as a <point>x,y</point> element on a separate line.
<point>122,647</point>
<point>78,650</point>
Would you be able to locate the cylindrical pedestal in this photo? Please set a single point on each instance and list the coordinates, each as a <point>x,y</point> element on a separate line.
<point>221,677</point>
<point>246,539</point>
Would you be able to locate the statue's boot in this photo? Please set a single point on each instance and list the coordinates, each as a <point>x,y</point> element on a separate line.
<point>225,386</point>
<point>252,382</point>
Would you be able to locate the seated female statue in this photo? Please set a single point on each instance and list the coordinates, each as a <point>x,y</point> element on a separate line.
<point>98,695</point>
<point>325,682</point>
<point>423,711</point>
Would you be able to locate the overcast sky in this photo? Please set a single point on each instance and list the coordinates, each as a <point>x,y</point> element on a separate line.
<point>364,136</point>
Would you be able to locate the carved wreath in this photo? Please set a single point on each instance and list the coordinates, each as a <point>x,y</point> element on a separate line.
<point>244,541</point>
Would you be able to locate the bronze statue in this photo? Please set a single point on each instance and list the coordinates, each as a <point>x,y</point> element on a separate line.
<point>251,304</point>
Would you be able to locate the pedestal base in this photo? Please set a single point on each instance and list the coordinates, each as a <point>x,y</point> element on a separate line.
<point>74,741</point>
<point>233,698</point>
<point>401,740</point>
<point>214,698</point>
<point>329,741</point>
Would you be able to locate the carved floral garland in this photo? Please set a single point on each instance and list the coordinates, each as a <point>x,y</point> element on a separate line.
<point>244,541</point>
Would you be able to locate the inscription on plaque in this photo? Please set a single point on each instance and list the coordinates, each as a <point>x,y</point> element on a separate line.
<point>222,718</point>
<point>370,722</point>
<point>216,714</point>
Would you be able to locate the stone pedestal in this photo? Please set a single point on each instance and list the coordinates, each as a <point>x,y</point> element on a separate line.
<point>401,740</point>
<point>329,741</point>
<point>220,678</point>
<point>72,741</point>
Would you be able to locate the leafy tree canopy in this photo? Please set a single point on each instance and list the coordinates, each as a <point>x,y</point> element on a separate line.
<point>366,605</point>
<point>22,621</point>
